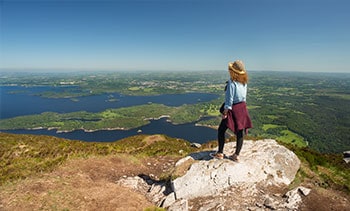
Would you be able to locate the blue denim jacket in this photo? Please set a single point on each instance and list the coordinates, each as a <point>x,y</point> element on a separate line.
<point>235,93</point>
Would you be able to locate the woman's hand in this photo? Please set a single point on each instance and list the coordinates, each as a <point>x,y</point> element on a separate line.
<point>224,114</point>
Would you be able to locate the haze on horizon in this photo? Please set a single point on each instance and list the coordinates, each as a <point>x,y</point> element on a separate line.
<point>174,35</point>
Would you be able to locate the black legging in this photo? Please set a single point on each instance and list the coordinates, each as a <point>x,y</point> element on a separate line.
<point>221,137</point>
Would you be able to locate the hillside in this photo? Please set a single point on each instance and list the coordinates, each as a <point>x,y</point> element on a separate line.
<point>42,172</point>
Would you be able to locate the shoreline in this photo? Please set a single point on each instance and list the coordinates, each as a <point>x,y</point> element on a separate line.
<point>112,128</point>
<point>92,130</point>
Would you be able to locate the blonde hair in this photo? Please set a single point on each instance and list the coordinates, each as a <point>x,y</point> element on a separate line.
<point>241,78</point>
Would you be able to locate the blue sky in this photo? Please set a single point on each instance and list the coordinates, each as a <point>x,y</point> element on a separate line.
<point>285,35</point>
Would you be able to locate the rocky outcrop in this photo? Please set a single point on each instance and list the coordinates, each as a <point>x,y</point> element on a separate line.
<point>262,165</point>
<point>260,161</point>
<point>346,155</point>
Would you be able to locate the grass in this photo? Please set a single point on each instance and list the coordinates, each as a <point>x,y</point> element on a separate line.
<point>285,135</point>
<point>134,88</point>
<point>252,107</point>
<point>273,117</point>
<point>265,127</point>
<point>328,170</point>
<point>211,111</point>
<point>24,155</point>
<point>340,96</point>
<point>288,136</point>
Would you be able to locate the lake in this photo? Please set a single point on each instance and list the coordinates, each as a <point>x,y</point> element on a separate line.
<point>18,101</point>
<point>188,131</point>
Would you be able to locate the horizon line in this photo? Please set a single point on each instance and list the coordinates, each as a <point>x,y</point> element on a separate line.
<point>76,70</point>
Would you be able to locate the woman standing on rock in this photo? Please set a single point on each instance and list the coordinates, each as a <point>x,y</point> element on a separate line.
<point>235,114</point>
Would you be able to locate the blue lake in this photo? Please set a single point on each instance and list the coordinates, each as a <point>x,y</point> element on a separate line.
<point>18,101</point>
<point>189,132</point>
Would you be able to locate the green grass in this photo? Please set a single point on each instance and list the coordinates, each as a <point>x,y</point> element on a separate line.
<point>340,96</point>
<point>284,135</point>
<point>109,114</point>
<point>265,127</point>
<point>148,90</point>
<point>252,107</point>
<point>154,209</point>
<point>134,88</point>
<point>329,169</point>
<point>211,111</point>
<point>272,117</point>
<point>24,155</point>
<point>288,136</point>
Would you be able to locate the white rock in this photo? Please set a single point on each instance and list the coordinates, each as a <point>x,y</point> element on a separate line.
<point>196,145</point>
<point>132,182</point>
<point>183,160</point>
<point>304,191</point>
<point>260,161</point>
<point>181,205</point>
<point>169,200</point>
<point>269,203</point>
<point>293,199</point>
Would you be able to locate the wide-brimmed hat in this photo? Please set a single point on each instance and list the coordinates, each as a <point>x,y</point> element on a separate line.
<point>237,67</point>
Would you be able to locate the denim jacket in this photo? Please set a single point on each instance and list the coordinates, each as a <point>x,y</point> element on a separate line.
<point>235,93</point>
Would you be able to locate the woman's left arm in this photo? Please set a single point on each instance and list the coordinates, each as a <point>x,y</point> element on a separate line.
<point>230,93</point>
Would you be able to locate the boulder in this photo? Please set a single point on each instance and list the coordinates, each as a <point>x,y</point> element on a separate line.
<point>346,156</point>
<point>262,165</point>
<point>196,145</point>
<point>293,197</point>
<point>263,161</point>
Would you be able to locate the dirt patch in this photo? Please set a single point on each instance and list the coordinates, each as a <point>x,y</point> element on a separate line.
<point>84,184</point>
<point>241,198</point>
<point>154,138</point>
<point>90,184</point>
<point>326,199</point>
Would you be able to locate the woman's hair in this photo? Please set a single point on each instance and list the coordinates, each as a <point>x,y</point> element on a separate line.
<point>241,78</point>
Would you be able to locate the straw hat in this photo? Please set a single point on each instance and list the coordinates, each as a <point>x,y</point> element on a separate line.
<point>237,67</point>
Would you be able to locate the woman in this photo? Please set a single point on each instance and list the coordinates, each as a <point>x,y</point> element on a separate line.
<point>235,115</point>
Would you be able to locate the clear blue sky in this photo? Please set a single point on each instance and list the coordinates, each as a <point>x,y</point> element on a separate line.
<point>287,35</point>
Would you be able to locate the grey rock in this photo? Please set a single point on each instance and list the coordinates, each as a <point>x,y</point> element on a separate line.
<point>181,205</point>
<point>196,145</point>
<point>293,199</point>
<point>262,160</point>
<point>270,203</point>
<point>169,200</point>
<point>133,183</point>
<point>304,191</point>
<point>346,154</point>
<point>262,164</point>
<point>209,206</point>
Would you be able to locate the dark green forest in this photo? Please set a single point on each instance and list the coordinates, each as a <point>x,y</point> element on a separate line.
<point>315,106</point>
